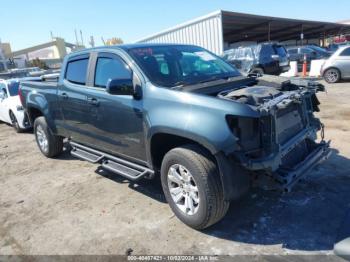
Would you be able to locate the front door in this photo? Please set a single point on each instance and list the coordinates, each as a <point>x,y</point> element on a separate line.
<point>118,119</point>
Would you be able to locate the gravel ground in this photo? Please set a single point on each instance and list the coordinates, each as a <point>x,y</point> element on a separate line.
<point>67,206</point>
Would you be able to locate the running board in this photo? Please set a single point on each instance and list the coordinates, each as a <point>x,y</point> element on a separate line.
<point>111,163</point>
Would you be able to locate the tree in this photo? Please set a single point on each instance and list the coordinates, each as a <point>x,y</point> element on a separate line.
<point>114,41</point>
<point>38,63</point>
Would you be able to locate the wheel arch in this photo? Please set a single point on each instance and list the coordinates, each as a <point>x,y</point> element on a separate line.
<point>332,67</point>
<point>234,178</point>
<point>33,113</point>
<point>162,142</point>
<point>258,66</point>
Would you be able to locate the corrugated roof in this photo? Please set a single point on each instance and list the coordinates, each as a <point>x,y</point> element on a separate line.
<point>240,27</point>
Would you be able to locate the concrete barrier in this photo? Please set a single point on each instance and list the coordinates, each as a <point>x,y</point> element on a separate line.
<point>315,68</point>
<point>293,71</point>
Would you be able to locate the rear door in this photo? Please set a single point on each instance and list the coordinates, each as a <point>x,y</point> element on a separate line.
<point>343,62</point>
<point>73,99</point>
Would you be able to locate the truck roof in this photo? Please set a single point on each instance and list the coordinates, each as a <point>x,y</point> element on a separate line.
<point>126,47</point>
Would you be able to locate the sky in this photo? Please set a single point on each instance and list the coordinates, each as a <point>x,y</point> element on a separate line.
<point>29,22</point>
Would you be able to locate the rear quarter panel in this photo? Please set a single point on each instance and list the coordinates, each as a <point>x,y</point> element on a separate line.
<point>43,96</point>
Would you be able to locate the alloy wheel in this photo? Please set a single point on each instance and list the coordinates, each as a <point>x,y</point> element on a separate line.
<point>183,189</point>
<point>42,139</point>
<point>332,76</point>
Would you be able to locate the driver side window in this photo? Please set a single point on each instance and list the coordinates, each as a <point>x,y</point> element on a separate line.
<point>110,68</point>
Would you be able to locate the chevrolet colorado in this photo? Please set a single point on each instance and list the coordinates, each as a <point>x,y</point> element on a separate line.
<point>181,113</point>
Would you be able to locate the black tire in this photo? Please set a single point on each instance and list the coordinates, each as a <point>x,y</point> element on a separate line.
<point>14,123</point>
<point>332,75</point>
<point>54,143</point>
<point>199,163</point>
<point>257,71</point>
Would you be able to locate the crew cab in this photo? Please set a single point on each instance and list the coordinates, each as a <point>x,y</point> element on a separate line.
<point>181,113</point>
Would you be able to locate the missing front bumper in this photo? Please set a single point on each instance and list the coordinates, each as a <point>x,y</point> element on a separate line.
<point>286,178</point>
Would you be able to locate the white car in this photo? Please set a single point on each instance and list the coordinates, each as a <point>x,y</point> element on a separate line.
<point>11,109</point>
<point>337,67</point>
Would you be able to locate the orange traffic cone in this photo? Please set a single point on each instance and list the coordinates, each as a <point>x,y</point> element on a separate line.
<point>305,66</point>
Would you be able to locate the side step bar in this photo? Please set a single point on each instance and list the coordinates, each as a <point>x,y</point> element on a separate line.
<point>114,164</point>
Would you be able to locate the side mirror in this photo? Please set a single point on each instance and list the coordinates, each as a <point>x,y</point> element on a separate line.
<point>120,87</point>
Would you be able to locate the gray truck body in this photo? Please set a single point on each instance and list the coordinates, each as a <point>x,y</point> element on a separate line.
<point>254,127</point>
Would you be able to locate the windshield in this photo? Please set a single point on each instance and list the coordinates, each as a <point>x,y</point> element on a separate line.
<point>171,66</point>
<point>319,50</point>
<point>13,88</point>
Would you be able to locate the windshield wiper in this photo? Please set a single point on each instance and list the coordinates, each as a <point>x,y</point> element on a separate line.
<point>214,78</point>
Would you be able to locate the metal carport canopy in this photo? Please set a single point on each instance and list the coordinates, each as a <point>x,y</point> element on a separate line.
<point>238,27</point>
<point>215,30</point>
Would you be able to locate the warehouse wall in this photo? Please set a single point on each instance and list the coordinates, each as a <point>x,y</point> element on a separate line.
<point>205,32</point>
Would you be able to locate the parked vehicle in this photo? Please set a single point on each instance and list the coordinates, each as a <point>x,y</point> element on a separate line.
<point>181,113</point>
<point>265,58</point>
<point>334,47</point>
<point>311,52</point>
<point>337,67</point>
<point>11,109</point>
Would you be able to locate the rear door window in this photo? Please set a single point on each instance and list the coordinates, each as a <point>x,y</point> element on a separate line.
<point>345,52</point>
<point>77,71</point>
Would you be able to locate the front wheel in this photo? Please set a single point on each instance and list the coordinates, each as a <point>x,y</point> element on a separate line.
<point>49,144</point>
<point>192,186</point>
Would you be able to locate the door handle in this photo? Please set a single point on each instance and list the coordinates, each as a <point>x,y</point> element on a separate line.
<point>93,101</point>
<point>64,95</point>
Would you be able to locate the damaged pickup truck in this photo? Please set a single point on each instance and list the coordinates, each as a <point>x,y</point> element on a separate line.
<point>181,113</point>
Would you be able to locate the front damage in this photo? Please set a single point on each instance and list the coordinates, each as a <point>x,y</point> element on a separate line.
<point>280,146</point>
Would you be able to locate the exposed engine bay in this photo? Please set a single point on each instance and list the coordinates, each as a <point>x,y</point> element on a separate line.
<point>255,95</point>
<point>284,136</point>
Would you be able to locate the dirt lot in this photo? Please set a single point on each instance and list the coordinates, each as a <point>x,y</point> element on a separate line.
<point>67,206</point>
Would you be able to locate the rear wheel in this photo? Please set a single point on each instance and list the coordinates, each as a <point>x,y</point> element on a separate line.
<point>49,144</point>
<point>14,122</point>
<point>192,186</point>
<point>332,75</point>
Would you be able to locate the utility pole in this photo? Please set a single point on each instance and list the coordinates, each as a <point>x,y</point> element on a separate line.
<point>92,41</point>
<point>76,37</point>
<point>103,41</point>
<point>81,37</point>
